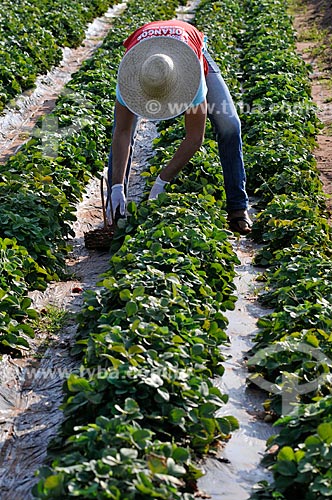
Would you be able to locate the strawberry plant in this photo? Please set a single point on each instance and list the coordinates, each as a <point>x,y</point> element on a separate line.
<point>16,268</point>
<point>279,134</point>
<point>291,221</point>
<point>295,467</point>
<point>32,33</point>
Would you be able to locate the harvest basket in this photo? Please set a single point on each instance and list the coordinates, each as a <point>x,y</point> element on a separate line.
<point>100,238</point>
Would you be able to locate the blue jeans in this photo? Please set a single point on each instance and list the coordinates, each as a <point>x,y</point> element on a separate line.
<point>227,128</point>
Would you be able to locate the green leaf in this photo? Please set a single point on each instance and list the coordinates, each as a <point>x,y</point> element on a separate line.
<point>54,483</point>
<point>312,441</point>
<point>141,437</point>
<point>136,349</point>
<point>197,349</point>
<point>77,384</point>
<point>286,468</point>
<point>125,294</point>
<point>207,410</point>
<point>181,455</point>
<point>177,415</point>
<point>139,291</point>
<point>324,431</point>
<point>232,421</point>
<point>131,308</point>
<point>286,453</point>
<point>28,330</point>
<point>299,454</point>
<point>178,340</point>
<point>156,464</point>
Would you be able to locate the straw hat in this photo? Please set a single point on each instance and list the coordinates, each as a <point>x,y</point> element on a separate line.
<point>159,77</point>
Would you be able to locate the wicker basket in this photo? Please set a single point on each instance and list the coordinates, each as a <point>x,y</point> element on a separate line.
<point>100,238</point>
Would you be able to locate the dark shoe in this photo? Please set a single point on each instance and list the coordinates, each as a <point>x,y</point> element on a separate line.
<point>239,223</point>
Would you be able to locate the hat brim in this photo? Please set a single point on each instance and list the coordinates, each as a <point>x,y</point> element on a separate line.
<point>182,93</point>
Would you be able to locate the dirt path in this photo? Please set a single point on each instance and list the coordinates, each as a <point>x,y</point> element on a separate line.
<point>313,23</point>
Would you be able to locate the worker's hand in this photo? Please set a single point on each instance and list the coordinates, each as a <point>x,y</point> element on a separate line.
<point>118,200</point>
<point>157,188</point>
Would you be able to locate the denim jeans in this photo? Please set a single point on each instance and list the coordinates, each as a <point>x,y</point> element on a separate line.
<point>227,128</point>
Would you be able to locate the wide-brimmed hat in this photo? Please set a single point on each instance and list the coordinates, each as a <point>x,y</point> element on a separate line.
<point>159,77</point>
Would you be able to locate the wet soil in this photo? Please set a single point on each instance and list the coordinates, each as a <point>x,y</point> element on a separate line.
<point>31,387</point>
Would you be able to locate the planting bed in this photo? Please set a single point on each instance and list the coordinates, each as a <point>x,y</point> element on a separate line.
<point>144,402</point>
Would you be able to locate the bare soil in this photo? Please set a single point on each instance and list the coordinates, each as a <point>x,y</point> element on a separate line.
<point>313,23</point>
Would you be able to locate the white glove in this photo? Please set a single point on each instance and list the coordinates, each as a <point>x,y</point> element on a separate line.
<point>118,199</point>
<point>157,188</point>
